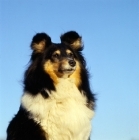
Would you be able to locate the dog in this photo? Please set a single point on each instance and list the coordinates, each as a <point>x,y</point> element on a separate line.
<point>57,103</point>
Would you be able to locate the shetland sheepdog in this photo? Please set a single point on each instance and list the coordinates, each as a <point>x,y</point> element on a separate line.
<point>57,103</point>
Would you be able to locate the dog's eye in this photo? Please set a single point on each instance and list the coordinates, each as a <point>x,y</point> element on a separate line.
<point>56,55</point>
<point>70,55</point>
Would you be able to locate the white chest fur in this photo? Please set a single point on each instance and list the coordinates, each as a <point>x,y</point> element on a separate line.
<point>64,115</point>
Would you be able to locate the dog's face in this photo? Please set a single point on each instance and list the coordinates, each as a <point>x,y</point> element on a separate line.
<point>60,59</point>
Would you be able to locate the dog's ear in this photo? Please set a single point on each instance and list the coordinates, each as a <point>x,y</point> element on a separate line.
<point>73,39</point>
<point>40,42</point>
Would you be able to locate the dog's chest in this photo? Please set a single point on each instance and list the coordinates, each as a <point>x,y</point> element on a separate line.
<point>64,115</point>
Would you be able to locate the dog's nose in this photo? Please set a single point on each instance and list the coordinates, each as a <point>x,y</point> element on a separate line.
<point>72,63</point>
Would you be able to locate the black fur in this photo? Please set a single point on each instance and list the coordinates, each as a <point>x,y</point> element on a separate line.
<point>24,128</point>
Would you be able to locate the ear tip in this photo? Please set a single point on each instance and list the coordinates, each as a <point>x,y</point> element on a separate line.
<point>72,38</point>
<point>70,34</point>
<point>39,41</point>
<point>39,37</point>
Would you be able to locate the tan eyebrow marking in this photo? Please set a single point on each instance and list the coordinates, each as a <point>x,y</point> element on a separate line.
<point>56,52</point>
<point>68,51</point>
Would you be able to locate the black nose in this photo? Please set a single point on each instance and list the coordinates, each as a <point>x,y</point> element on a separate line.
<point>72,63</point>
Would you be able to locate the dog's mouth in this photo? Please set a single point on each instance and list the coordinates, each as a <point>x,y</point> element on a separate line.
<point>65,68</point>
<point>69,70</point>
<point>65,72</point>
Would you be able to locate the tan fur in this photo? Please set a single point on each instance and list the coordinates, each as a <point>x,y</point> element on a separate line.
<point>68,51</point>
<point>77,44</point>
<point>39,47</point>
<point>76,75</point>
<point>49,68</point>
<point>56,52</point>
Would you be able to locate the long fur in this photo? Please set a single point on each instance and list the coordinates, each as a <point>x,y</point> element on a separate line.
<point>57,103</point>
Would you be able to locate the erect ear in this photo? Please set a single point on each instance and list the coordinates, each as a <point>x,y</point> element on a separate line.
<point>40,42</point>
<point>73,39</point>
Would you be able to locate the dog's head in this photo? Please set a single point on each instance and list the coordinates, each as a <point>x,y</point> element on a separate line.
<point>59,60</point>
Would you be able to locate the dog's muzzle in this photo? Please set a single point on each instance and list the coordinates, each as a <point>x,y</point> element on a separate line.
<point>67,67</point>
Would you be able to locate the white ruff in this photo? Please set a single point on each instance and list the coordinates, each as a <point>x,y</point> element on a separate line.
<point>64,115</point>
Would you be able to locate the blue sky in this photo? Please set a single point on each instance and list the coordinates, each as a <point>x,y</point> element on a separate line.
<point>110,31</point>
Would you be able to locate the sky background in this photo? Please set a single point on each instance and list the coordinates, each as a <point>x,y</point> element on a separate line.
<point>110,32</point>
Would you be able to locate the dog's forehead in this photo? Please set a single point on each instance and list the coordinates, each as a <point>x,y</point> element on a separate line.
<point>61,47</point>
